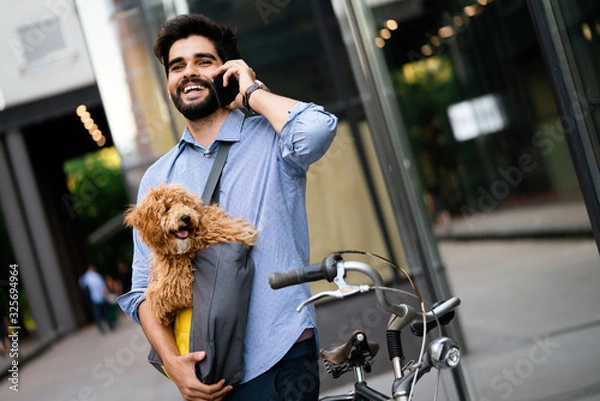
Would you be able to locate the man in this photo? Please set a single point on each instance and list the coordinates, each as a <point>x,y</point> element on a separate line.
<point>93,283</point>
<point>264,182</point>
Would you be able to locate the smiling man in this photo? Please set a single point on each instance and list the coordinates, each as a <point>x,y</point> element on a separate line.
<point>193,88</point>
<point>263,182</point>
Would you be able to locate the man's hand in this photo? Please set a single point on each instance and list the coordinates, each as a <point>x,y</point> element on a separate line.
<point>275,108</point>
<point>181,370</point>
<point>240,71</point>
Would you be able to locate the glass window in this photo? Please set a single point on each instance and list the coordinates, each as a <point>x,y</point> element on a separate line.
<point>478,105</point>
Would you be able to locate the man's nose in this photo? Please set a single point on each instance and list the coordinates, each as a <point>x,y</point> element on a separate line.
<point>190,71</point>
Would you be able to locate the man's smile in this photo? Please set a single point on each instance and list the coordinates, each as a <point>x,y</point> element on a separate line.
<point>191,88</point>
<point>192,85</point>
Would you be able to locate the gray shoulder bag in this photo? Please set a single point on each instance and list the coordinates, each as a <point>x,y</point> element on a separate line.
<point>221,295</point>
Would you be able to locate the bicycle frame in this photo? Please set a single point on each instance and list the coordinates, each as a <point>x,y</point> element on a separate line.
<point>362,392</point>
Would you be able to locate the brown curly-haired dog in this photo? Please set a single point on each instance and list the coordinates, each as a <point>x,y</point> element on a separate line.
<point>175,225</point>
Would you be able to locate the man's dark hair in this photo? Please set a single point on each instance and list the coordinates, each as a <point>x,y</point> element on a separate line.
<point>186,25</point>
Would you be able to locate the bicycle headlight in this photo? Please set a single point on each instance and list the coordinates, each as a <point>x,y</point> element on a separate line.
<point>444,353</point>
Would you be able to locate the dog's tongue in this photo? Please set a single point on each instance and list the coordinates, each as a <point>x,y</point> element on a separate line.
<point>183,234</point>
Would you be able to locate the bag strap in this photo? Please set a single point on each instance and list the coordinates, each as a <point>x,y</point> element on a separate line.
<point>210,194</point>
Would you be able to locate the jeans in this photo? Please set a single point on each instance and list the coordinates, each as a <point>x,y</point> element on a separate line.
<point>99,311</point>
<point>294,378</point>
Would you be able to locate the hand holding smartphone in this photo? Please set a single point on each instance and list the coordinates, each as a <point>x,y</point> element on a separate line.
<point>225,95</point>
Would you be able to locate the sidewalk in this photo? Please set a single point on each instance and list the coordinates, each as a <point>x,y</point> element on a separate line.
<point>529,313</point>
<point>530,317</point>
<point>552,220</point>
<point>89,366</point>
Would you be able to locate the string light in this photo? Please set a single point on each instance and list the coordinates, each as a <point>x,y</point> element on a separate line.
<point>587,31</point>
<point>88,122</point>
<point>80,110</point>
<point>446,32</point>
<point>460,22</point>
<point>471,11</point>
<point>391,24</point>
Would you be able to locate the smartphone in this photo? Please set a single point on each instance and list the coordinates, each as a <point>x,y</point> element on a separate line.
<point>225,94</point>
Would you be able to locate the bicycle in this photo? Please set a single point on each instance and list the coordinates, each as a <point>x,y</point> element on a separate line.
<point>358,353</point>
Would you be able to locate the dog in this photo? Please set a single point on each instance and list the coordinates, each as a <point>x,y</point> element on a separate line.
<point>176,224</point>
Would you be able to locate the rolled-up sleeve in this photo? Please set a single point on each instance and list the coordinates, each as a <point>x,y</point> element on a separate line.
<point>306,136</point>
<point>140,267</point>
<point>130,301</point>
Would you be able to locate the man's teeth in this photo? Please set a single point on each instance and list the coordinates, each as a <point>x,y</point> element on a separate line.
<point>187,89</point>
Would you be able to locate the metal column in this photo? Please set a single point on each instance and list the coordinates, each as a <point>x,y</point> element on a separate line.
<point>32,241</point>
<point>391,142</point>
<point>556,51</point>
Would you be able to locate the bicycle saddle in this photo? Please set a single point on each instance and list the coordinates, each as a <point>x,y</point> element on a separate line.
<point>338,354</point>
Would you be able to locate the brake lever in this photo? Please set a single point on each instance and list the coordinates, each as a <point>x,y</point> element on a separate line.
<point>344,289</point>
<point>341,293</point>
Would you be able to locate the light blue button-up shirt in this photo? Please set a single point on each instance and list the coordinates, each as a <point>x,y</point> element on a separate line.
<point>263,181</point>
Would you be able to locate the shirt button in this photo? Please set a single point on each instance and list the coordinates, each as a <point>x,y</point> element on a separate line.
<point>207,155</point>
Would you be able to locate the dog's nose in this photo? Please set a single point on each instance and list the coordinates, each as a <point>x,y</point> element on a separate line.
<point>185,219</point>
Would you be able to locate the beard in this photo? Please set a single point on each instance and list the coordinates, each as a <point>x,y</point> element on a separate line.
<point>198,109</point>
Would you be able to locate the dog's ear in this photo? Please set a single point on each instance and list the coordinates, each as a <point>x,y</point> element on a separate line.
<point>131,216</point>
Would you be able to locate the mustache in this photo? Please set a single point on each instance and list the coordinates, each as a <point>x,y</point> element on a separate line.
<point>197,81</point>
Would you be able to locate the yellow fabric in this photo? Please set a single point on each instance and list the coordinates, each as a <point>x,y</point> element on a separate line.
<point>181,332</point>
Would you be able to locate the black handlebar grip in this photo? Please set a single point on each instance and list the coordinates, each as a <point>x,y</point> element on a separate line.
<point>313,272</point>
<point>394,344</point>
<point>417,326</point>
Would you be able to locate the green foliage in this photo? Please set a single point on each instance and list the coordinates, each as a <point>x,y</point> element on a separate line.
<point>425,89</point>
<point>98,196</point>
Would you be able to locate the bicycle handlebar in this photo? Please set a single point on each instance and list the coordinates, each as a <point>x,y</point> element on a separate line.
<point>442,313</point>
<point>442,353</point>
<point>326,270</point>
<point>334,268</point>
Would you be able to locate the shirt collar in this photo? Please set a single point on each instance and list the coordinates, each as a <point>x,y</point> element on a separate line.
<point>230,131</point>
